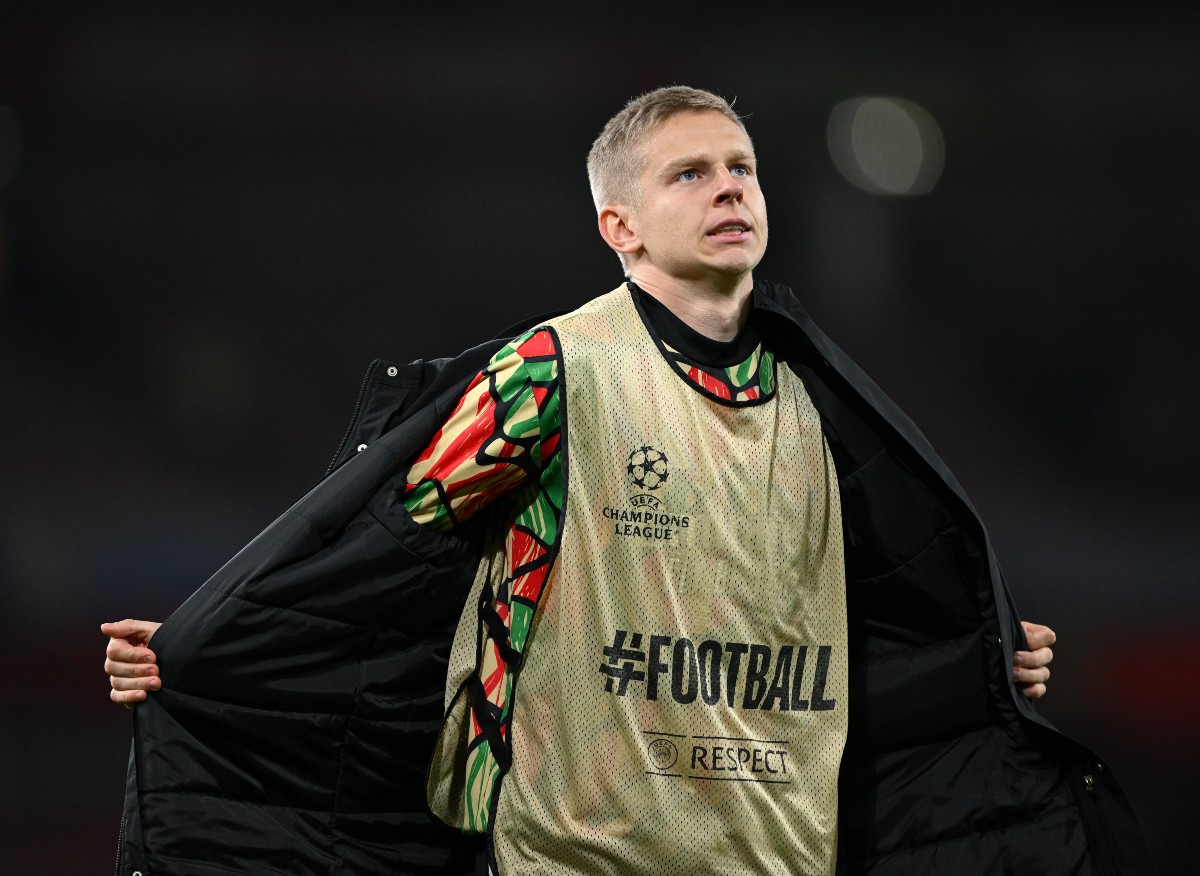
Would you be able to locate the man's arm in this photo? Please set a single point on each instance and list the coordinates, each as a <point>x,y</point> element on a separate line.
<point>502,411</point>
<point>503,434</point>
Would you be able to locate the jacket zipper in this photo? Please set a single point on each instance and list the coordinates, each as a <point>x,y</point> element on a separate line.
<point>362,393</point>
<point>1092,823</point>
<point>120,843</point>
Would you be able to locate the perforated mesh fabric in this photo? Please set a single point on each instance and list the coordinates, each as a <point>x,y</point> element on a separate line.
<point>682,704</point>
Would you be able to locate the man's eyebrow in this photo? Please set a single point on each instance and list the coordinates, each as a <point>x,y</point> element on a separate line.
<point>674,166</point>
<point>684,162</point>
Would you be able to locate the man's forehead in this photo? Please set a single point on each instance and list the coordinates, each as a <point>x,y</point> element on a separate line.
<point>697,133</point>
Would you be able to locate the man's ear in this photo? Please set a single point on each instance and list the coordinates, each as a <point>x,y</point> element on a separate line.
<point>615,229</point>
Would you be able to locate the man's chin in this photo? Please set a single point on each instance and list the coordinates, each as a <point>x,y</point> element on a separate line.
<point>734,267</point>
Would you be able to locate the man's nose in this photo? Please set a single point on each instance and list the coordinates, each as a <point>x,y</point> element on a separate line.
<point>730,188</point>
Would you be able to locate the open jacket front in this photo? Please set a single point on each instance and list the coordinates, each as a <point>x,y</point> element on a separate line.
<point>303,684</point>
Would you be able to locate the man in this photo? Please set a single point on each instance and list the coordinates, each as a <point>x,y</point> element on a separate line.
<point>700,541</point>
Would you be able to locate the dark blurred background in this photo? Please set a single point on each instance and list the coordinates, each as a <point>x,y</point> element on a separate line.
<point>212,219</point>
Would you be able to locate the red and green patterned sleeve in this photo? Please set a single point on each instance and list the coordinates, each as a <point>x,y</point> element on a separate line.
<point>503,434</point>
<point>502,440</point>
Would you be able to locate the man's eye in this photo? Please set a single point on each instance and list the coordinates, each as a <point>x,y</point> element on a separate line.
<point>686,176</point>
<point>739,170</point>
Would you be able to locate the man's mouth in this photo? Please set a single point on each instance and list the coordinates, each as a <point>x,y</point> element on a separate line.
<point>732,227</point>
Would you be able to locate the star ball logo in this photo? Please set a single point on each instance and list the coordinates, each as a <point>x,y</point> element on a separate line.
<point>648,468</point>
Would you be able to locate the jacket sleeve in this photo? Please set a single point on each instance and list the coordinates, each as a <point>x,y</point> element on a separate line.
<point>303,683</point>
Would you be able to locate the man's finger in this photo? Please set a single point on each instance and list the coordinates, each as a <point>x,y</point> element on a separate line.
<point>137,631</point>
<point>1034,691</point>
<point>124,652</point>
<point>1033,659</point>
<point>1039,675</point>
<point>122,629</point>
<point>128,697</point>
<point>1038,636</point>
<point>124,669</point>
<point>134,684</point>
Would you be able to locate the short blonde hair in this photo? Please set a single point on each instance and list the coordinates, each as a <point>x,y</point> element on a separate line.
<point>618,156</point>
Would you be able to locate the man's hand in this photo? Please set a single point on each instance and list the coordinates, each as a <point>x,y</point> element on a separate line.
<point>1031,668</point>
<point>130,664</point>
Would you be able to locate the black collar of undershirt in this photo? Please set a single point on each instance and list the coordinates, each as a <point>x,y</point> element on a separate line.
<point>692,345</point>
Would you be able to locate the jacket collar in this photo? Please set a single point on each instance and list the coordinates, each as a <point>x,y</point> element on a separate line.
<point>805,344</point>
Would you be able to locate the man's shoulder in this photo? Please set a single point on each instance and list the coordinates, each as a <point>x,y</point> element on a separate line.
<point>589,309</point>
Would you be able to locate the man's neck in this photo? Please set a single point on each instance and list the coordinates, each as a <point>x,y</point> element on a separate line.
<point>715,311</point>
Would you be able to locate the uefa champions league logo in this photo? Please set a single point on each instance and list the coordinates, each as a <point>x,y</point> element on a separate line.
<point>645,516</point>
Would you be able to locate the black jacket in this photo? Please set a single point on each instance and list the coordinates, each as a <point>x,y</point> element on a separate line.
<point>303,683</point>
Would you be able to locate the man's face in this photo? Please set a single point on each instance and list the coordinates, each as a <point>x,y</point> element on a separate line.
<point>701,212</point>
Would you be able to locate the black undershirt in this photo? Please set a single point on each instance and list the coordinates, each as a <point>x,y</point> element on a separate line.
<point>692,345</point>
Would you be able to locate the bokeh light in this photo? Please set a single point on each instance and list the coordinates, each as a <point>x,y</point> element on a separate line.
<point>886,145</point>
